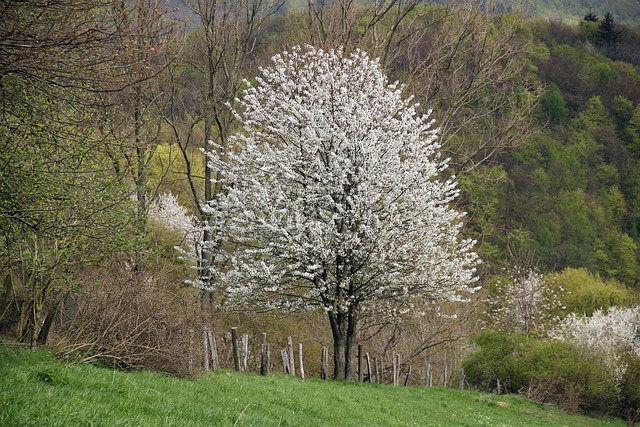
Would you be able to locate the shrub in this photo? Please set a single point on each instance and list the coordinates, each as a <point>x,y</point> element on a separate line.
<point>130,320</point>
<point>494,366</point>
<point>546,371</point>
<point>630,389</point>
<point>585,293</point>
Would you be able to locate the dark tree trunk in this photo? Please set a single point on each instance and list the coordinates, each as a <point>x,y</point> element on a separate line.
<point>43,335</point>
<point>343,329</point>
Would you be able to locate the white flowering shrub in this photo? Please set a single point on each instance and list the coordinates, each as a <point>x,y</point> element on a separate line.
<point>334,197</point>
<point>612,333</point>
<point>166,210</point>
<point>613,336</point>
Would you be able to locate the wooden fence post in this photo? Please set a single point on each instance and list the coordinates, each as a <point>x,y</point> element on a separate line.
<point>245,351</point>
<point>292,368</point>
<point>286,366</point>
<point>382,370</point>
<point>445,371</point>
<point>234,346</point>
<point>205,351</point>
<point>300,360</point>
<point>265,360</point>
<point>324,363</point>
<point>369,368</point>
<point>215,363</point>
<point>191,332</point>
<point>396,369</point>
<point>360,370</point>
<point>376,368</point>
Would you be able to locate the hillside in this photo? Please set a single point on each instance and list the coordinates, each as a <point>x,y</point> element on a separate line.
<point>625,11</point>
<point>38,390</point>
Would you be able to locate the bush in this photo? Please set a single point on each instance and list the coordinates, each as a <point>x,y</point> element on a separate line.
<point>130,321</point>
<point>546,371</point>
<point>585,293</point>
<point>630,389</point>
<point>494,367</point>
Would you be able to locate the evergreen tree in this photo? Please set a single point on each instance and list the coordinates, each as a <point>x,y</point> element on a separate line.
<point>608,36</point>
<point>590,17</point>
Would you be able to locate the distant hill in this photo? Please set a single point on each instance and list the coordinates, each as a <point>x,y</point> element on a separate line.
<point>624,11</point>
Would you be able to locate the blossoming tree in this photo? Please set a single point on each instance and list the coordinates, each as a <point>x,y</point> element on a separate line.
<point>334,198</point>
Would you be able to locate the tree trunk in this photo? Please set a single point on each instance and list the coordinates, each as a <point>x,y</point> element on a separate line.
<point>343,329</point>
<point>43,334</point>
<point>141,177</point>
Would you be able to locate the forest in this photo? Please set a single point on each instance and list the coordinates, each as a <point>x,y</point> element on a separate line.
<point>168,171</point>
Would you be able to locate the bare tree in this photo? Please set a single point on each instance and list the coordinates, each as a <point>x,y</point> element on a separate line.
<point>146,32</point>
<point>218,53</point>
<point>374,26</point>
<point>201,88</point>
<point>468,65</point>
<point>461,59</point>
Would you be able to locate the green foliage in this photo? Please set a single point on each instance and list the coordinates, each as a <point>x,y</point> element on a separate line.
<point>552,371</point>
<point>553,107</point>
<point>167,172</point>
<point>493,366</point>
<point>630,389</point>
<point>631,135</point>
<point>481,202</point>
<point>622,110</point>
<point>583,293</point>
<point>574,191</point>
<point>37,390</point>
<point>63,206</point>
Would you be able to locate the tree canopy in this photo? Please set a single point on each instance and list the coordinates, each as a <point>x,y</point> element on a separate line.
<point>335,197</point>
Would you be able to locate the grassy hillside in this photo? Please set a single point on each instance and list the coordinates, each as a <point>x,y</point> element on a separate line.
<point>35,389</point>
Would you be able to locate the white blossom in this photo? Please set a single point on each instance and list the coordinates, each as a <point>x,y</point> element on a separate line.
<point>525,302</point>
<point>609,333</point>
<point>167,210</point>
<point>335,195</point>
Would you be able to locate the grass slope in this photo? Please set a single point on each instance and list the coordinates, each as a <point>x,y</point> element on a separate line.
<point>35,389</point>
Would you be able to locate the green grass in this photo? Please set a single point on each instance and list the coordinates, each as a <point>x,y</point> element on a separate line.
<point>36,389</point>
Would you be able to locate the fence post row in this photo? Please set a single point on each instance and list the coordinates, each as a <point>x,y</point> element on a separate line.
<point>374,371</point>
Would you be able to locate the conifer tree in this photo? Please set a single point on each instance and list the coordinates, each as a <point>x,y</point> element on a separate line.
<point>608,35</point>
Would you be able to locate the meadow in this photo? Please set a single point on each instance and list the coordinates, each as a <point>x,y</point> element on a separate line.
<point>37,389</point>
